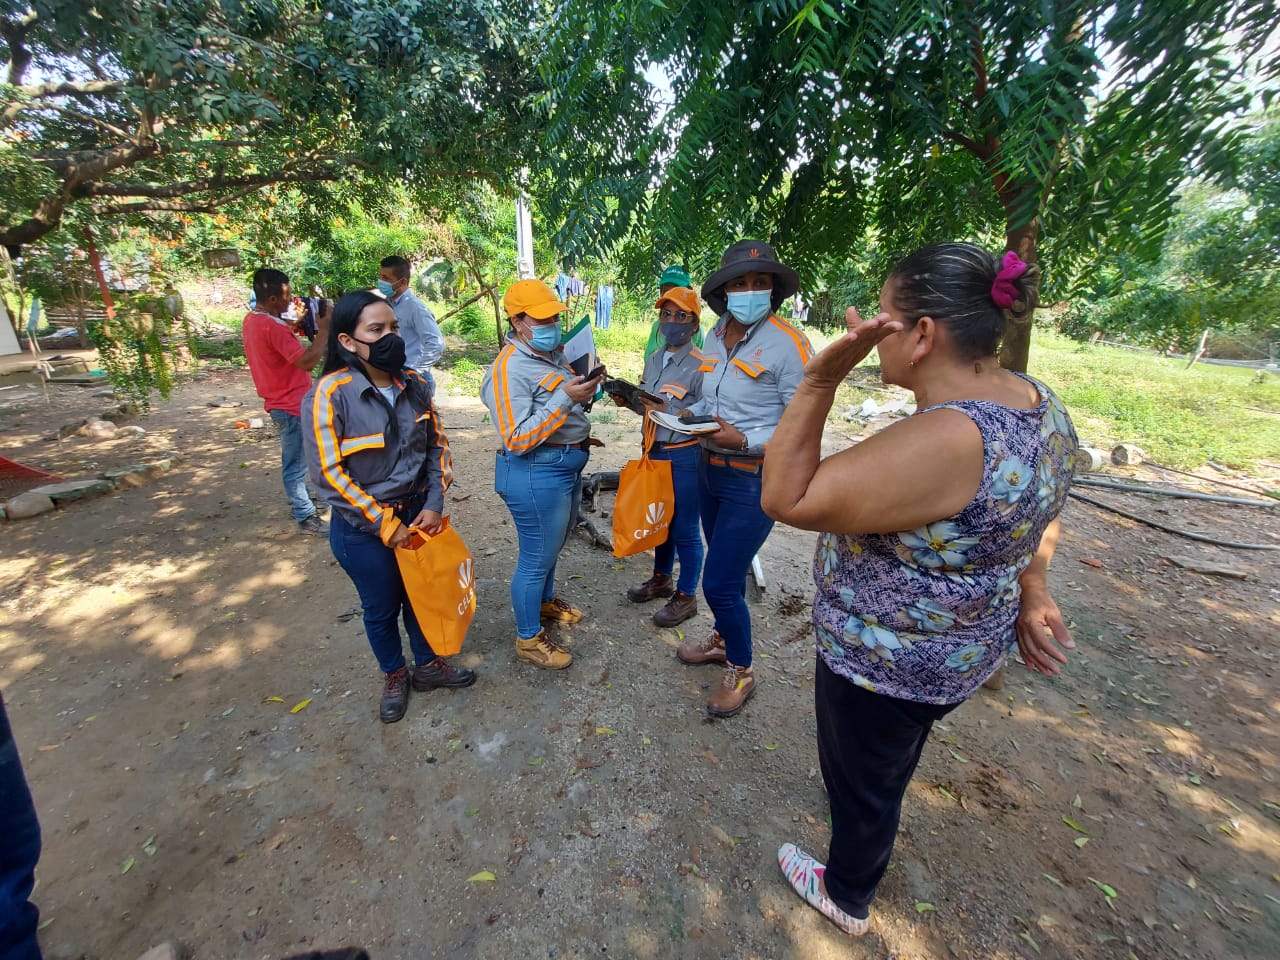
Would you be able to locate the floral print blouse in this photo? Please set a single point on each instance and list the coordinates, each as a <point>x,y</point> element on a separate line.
<point>928,614</point>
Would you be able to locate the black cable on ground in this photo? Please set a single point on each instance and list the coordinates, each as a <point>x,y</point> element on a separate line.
<point>1174,530</point>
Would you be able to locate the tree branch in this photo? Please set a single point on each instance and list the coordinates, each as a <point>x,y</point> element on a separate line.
<point>68,88</point>
<point>971,145</point>
<point>211,204</point>
<point>157,190</point>
<point>15,35</point>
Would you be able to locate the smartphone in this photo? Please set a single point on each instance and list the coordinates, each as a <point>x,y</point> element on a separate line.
<point>597,372</point>
<point>693,421</point>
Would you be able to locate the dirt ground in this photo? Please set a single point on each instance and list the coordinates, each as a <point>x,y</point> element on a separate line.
<point>196,710</point>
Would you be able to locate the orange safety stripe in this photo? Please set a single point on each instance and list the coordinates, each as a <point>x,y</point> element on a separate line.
<point>555,378</point>
<point>801,342</point>
<point>675,390</point>
<point>677,446</point>
<point>529,440</point>
<point>748,368</point>
<point>329,447</point>
<point>501,394</point>
<point>446,455</point>
<point>372,442</point>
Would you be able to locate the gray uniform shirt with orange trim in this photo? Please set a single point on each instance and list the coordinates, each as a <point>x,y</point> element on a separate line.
<point>524,392</point>
<point>752,385</point>
<point>678,381</point>
<point>344,424</point>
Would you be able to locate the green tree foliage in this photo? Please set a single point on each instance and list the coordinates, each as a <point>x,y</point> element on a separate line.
<point>867,129</point>
<point>116,107</point>
<point>1219,269</point>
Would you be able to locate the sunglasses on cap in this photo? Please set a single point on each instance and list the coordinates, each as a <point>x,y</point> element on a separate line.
<point>680,316</point>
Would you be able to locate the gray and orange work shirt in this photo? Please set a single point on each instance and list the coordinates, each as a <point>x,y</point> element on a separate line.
<point>361,463</point>
<point>524,392</point>
<point>752,384</point>
<point>676,376</point>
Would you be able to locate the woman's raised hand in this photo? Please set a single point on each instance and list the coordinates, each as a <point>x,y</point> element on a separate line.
<point>827,369</point>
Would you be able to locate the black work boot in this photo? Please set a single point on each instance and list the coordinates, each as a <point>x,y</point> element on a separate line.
<point>439,673</point>
<point>395,696</point>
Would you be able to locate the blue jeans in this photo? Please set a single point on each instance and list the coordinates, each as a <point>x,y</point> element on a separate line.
<point>19,852</point>
<point>685,534</point>
<point>542,490</point>
<point>736,528</point>
<point>372,567</point>
<point>293,466</point>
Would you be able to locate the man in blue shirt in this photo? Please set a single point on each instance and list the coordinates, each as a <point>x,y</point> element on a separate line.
<point>423,344</point>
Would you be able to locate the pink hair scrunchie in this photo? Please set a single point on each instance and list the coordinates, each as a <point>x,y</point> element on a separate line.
<point>1003,292</point>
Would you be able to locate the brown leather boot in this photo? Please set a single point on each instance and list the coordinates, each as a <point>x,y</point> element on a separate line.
<point>562,611</point>
<point>736,688</point>
<point>678,609</point>
<point>542,651</point>
<point>710,650</point>
<point>659,585</point>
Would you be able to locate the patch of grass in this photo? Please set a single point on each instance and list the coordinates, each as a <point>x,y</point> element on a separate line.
<point>1180,417</point>
<point>465,368</point>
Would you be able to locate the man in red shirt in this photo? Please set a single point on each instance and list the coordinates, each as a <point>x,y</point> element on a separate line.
<point>281,367</point>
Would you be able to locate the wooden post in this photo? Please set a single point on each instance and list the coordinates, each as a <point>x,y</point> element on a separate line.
<point>1204,339</point>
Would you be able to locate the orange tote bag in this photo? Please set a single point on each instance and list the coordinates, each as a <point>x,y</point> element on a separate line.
<point>645,503</point>
<point>439,577</point>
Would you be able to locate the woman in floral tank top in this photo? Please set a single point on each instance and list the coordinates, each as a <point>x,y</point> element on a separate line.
<point>936,537</point>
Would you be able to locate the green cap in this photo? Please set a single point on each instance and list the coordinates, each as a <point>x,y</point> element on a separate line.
<point>677,276</point>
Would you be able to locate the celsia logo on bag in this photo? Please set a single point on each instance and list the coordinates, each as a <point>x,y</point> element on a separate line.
<point>656,518</point>
<point>466,580</point>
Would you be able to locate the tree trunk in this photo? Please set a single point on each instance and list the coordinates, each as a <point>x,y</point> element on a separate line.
<point>1016,346</point>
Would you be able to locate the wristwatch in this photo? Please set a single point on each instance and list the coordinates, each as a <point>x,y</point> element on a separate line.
<point>746,444</point>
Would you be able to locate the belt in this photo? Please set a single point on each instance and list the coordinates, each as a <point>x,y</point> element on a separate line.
<point>580,445</point>
<point>747,464</point>
<point>674,444</point>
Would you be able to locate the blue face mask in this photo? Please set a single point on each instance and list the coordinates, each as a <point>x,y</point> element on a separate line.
<point>545,338</point>
<point>750,306</point>
<point>677,334</point>
<point>385,288</point>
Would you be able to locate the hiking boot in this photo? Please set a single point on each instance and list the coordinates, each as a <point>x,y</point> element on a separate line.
<point>659,585</point>
<point>542,651</point>
<point>678,609</point>
<point>710,650</point>
<point>439,673</point>
<point>395,696</point>
<point>736,688</point>
<point>560,610</point>
<point>313,526</point>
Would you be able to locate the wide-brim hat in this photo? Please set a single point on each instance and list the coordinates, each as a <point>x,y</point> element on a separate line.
<point>532,297</point>
<point>682,297</point>
<point>747,256</point>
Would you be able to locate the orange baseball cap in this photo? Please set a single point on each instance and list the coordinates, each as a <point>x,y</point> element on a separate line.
<point>682,297</point>
<point>532,297</point>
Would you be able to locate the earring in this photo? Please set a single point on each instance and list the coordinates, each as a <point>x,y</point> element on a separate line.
<point>911,363</point>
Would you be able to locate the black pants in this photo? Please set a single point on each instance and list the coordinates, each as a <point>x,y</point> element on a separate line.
<point>868,746</point>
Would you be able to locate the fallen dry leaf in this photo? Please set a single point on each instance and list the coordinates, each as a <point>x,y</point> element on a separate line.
<point>1092,562</point>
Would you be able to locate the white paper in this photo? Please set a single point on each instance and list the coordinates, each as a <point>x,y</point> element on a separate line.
<point>681,426</point>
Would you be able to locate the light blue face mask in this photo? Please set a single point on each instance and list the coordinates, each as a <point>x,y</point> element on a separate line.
<point>750,306</point>
<point>385,288</point>
<point>545,338</point>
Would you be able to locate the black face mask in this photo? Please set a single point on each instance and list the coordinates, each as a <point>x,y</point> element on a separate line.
<point>386,353</point>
